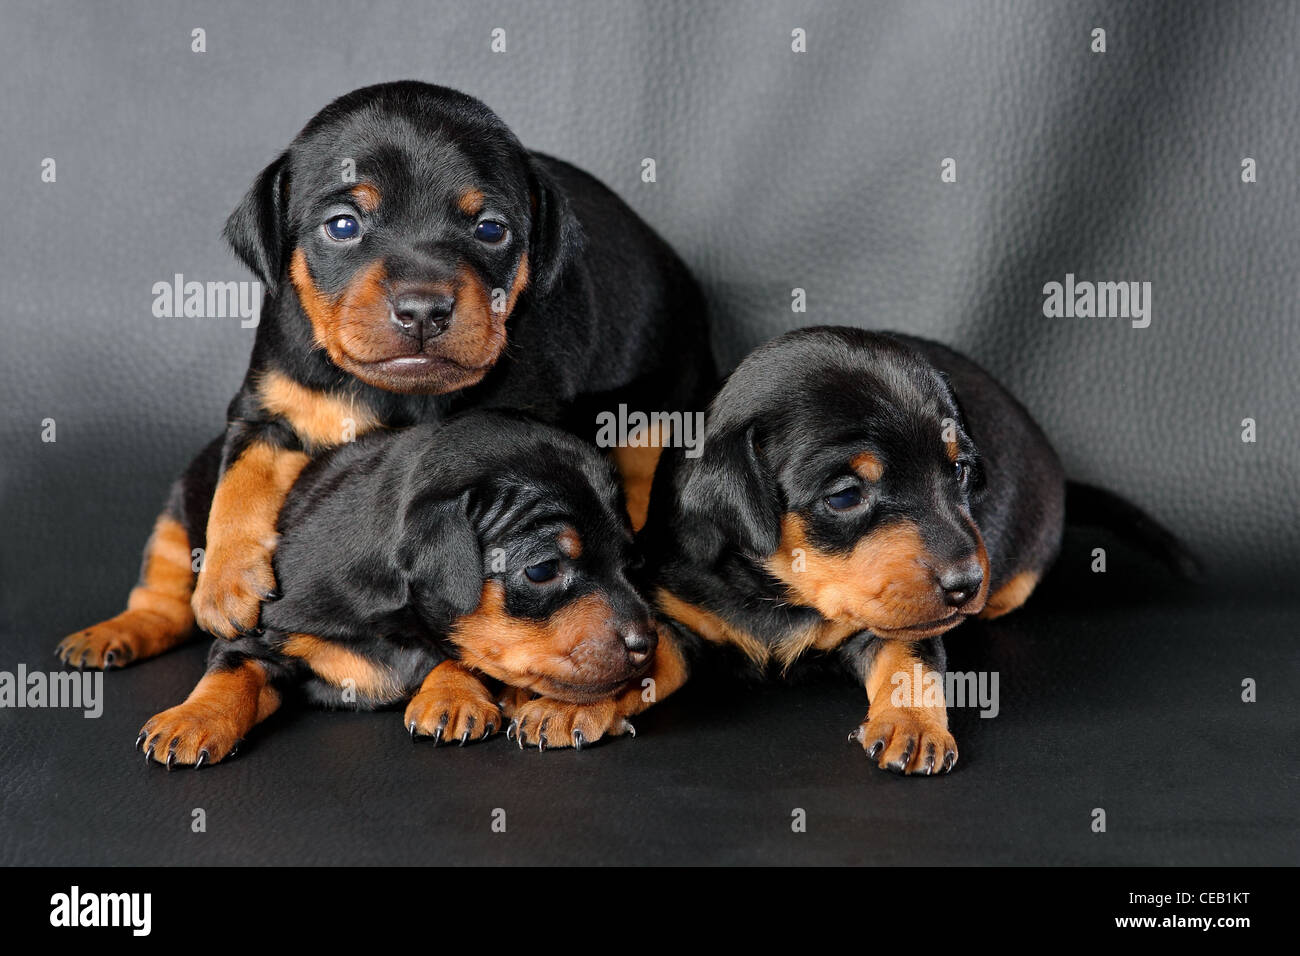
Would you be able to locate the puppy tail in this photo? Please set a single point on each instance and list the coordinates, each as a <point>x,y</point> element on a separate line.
<point>1097,507</point>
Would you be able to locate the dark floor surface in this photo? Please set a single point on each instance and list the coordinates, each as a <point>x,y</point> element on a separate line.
<point>1115,692</point>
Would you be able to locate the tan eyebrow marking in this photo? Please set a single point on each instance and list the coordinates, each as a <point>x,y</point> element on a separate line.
<point>367,196</point>
<point>570,543</point>
<point>471,201</point>
<point>868,466</point>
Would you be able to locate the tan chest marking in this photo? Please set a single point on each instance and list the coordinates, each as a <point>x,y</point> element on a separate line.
<point>338,665</point>
<point>1011,595</point>
<point>822,636</point>
<point>322,419</point>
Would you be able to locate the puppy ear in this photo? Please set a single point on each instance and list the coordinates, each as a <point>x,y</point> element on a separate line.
<point>731,497</point>
<point>441,558</point>
<point>256,229</point>
<point>556,238</point>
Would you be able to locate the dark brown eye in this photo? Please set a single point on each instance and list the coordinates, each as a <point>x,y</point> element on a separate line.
<point>489,232</point>
<point>962,470</point>
<point>342,228</point>
<point>844,500</point>
<point>541,573</point>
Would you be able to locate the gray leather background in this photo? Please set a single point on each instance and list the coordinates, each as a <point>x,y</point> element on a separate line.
<point>775,170</point>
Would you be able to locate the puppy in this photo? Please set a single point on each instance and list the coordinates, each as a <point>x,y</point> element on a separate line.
<point>417,260</point>
<point>450,566</point>
<point>858,496</point>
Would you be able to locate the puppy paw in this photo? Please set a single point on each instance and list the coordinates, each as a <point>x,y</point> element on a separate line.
<point>462,711</point>
<point>189,734</point>
<point>510,699</point>
<point>908,741</point>
<point>105,645</point>
<point>547,724</point>
<point>231,588</point>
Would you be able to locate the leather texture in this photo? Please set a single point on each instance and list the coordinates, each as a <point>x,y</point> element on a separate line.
<point>774,170</point>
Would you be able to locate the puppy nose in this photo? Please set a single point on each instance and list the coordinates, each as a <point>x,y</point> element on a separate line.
<point>961,582</point>
<point>640,640</point>
<point>422,315</point>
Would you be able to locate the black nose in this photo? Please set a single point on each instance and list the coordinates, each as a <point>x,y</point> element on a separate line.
<point>421,315</point>
<point>961,582</point>
<point>640,640</point>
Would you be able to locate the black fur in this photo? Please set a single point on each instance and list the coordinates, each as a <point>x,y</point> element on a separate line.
<point>599,310</point>
<point>610,314</point>
<point>387,542</point>
<point>778,441</point>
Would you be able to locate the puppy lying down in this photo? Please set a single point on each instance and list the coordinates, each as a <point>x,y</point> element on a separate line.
<point>477,570</point>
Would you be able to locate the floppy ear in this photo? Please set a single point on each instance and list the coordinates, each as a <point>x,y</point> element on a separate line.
<point>441,558</point>
<point>256,229</point>
<point>556,237</point>
<point>731,497</point>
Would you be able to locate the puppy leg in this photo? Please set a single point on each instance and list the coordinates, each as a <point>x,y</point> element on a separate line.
<point>157,616</point>
<point>452,704</point>
<point>550,723</point>
<point>636,463</point>
<point>236,575</point>
<point>906,728</point>
<point>233,697</point>
<point>1009,595</point>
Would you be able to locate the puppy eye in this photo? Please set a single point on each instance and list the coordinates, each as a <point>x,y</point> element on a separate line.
<point>844,500</point>
<point>541,573</point>
<point>962,470</point>
<point>342,228</point>
<point>489,232</point>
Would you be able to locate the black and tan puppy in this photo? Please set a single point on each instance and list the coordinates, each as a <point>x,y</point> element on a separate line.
<point>454,566</point>
<point>417,260</point>
<point>859,495</point>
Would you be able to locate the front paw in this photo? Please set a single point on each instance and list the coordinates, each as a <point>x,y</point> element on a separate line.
<point>443,715</point>
<point>510,699</point>
<point>189,734</point>
<point>547,723</point>
<point>102,646</point>
<point>907,740</point>
<point>231,588</point>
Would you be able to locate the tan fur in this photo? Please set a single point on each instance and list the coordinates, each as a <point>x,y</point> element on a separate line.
<point>318,417</point>
<point>219,712</point>
<point>241,537</point>
<point>636,467</point>
<point>575,646</point>
<point>868,466</point>
<point>1011,595</point>
<point>452,704</point>
<point>923,729</point>
<point>471,201</point>
<point>367,196</point>
<point>158,616</point>
<point>884,584</point>
<point>337,665</point>
<point>710,626</point>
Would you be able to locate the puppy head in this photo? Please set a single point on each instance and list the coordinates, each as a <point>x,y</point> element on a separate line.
<point>530,564</point>
<point>408,221</point>
<point>837,460</point>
